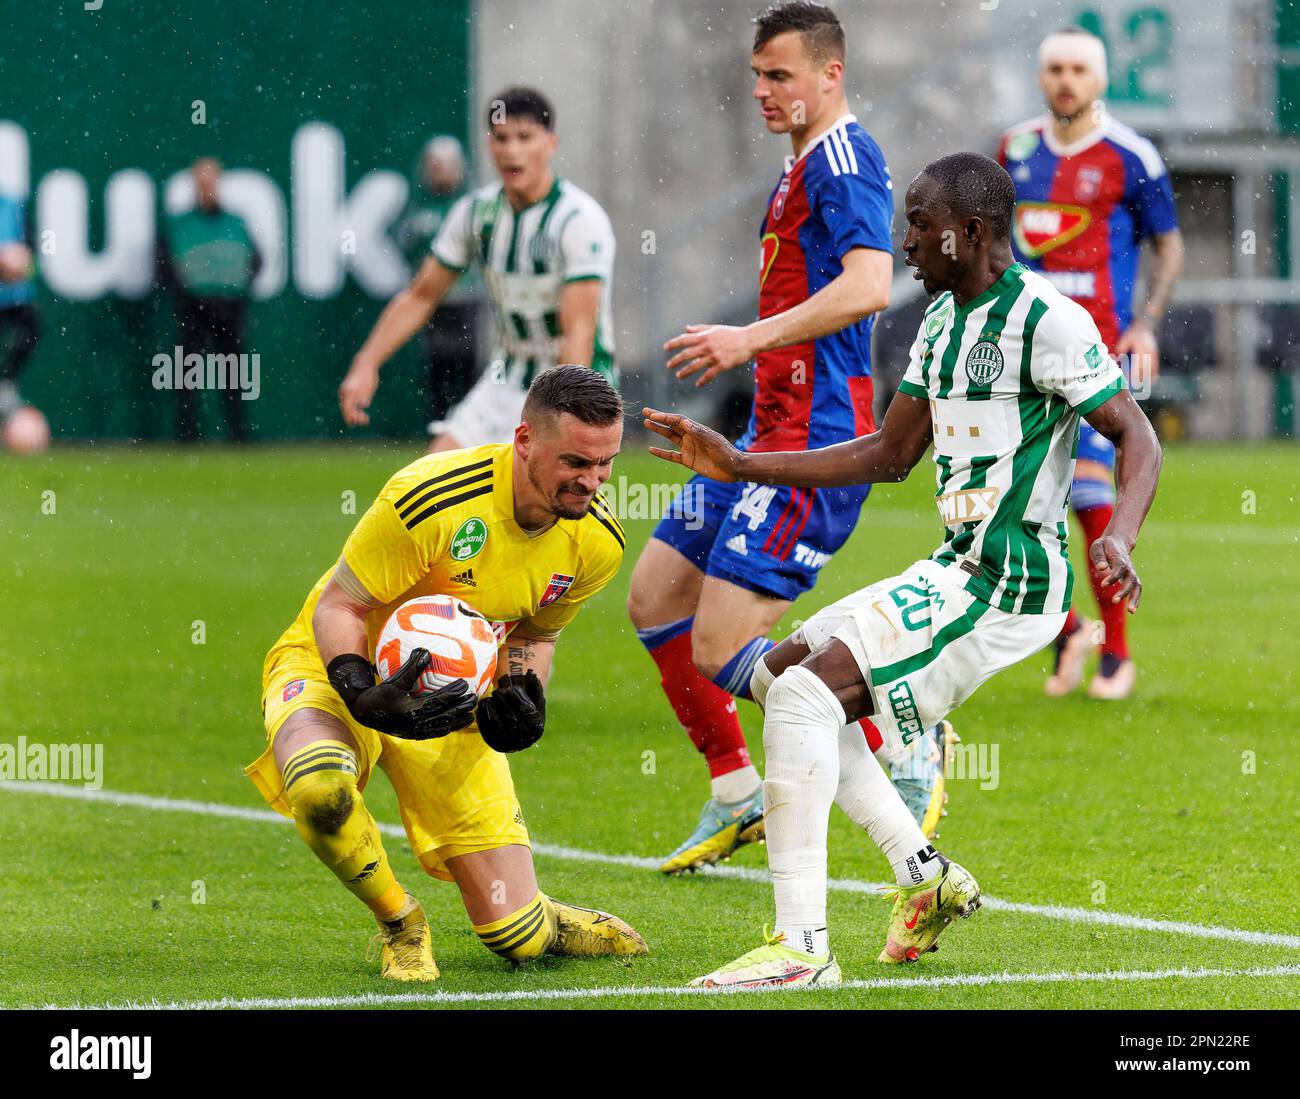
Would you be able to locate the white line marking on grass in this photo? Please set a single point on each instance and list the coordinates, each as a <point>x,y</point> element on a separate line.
<point>437,999</point>
<point>575,854</point>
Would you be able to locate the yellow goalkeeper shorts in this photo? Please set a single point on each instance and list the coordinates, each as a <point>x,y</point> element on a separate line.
<point>455,793</point>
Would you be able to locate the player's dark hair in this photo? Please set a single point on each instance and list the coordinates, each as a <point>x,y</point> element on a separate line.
<point>578,390</point>
<point>822,35</point>
<point>974,185</point>
<point>521,103</point>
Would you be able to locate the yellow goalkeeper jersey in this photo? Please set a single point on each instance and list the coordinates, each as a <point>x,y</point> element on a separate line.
<point>446,525</point>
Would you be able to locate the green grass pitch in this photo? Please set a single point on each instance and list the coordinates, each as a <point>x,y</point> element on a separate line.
<point>1180,805</point>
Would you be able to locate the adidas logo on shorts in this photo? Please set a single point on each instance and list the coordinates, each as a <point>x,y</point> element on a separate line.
<point>466,577</point>
<point>737,545</point>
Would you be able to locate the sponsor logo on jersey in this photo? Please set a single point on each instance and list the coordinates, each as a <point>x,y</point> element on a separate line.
<point>1022,146</point>
<point>466,578</point>
<point>1040,227</point>
<point>293,690</point>
<point>469,539</point>
<point>778,203</point>
<point>771,245</point>
<point>557,587</point>
<point>968,505</point>
<point>1087,183</point>
<point>806,555</point>
<point>903,704</point>
<point>1073,284</point>
<point>984,363</point>
<point>737,545</point>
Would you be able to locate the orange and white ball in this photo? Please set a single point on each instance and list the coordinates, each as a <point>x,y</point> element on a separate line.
<point>461,643</point>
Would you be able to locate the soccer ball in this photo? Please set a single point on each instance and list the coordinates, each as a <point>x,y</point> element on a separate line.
<point>461,643</point>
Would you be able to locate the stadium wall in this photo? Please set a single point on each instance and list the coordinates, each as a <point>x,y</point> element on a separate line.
<point>318,112</point>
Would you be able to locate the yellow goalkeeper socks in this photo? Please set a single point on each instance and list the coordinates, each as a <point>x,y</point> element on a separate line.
<point>320,783</point>
<point>523,935</point>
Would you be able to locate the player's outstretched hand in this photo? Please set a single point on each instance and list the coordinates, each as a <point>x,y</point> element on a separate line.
<point>388,705</point>
<point>1111,557</point>
<point>713,348</point>
<point>700,448</point>
<point>356,393</point>
<point>513,716</point>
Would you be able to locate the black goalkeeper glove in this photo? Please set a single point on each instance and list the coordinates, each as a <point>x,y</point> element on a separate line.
<point>388,705</point>
<point>513,716</point>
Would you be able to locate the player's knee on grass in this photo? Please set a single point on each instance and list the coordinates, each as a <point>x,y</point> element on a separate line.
<point>524,934</point>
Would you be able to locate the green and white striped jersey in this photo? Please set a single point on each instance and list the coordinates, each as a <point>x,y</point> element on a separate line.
<point>527,257</point>
<point>1008,375</point>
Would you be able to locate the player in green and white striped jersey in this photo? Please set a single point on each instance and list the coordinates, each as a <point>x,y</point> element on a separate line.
<point>546,249</point>
<point>1002,371</point>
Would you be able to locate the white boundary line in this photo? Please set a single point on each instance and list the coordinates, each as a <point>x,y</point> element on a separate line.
<point>436,999</point>
<point>574,854</point>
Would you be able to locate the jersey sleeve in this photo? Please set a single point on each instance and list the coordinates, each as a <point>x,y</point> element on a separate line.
<point>855,198</point>
<point>1153,202</point>
<point>587,245</point>
<point>1070,360</point>
<point>913,383</point>
<point>453,247</point>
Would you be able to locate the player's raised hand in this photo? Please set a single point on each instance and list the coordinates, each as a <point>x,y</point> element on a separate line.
<point>700,448</point>
<point>1139,344</point>
<point>1111,557</point>
<point>712,348</point>
<point>356,393</point>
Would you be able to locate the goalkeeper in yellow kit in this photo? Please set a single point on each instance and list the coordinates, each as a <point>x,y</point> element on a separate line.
<point>519,532</point>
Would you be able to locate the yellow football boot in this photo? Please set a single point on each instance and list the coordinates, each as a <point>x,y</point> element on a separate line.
<point>722,829</point>
<point>587,933</point>
<point>921,912</point>
<point>406,948</point>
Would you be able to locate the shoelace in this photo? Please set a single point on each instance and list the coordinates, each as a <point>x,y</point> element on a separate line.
<point>769,939</point>
<point>406,945</point>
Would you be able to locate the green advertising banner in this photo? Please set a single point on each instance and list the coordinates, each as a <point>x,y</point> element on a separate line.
<point>318,112</point>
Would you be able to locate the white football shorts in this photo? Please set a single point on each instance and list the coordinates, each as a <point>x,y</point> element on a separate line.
<point>924,645</point>
<point>488,413</point>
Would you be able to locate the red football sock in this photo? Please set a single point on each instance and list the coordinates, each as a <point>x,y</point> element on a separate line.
<point>1071,624</point>
<point>1114,615</point>
<point>706,711</point>
<point>869,730</point>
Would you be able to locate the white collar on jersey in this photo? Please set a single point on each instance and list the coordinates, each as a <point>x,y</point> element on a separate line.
<point>1086,142</point>
<point>791,161</point>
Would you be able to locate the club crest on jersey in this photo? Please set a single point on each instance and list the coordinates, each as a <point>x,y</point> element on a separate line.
<point>1041,226</point>
<point>293,690</point>
<point>557,587</point>
<point>984,363</point>
<point>1087,184</point>
<point>778,203</point>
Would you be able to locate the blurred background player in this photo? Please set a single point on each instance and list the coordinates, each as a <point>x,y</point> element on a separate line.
<point>208,260</point>
<point>22,426</point>
<point>546,543</point>
<point>450,356</point>
<point>1090,191</point>
<point>546,249</point>
<point>723,568</point>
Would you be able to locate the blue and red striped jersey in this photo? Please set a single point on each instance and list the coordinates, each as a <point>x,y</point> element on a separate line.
<point>835,197</point>
<point>1083,211</point>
